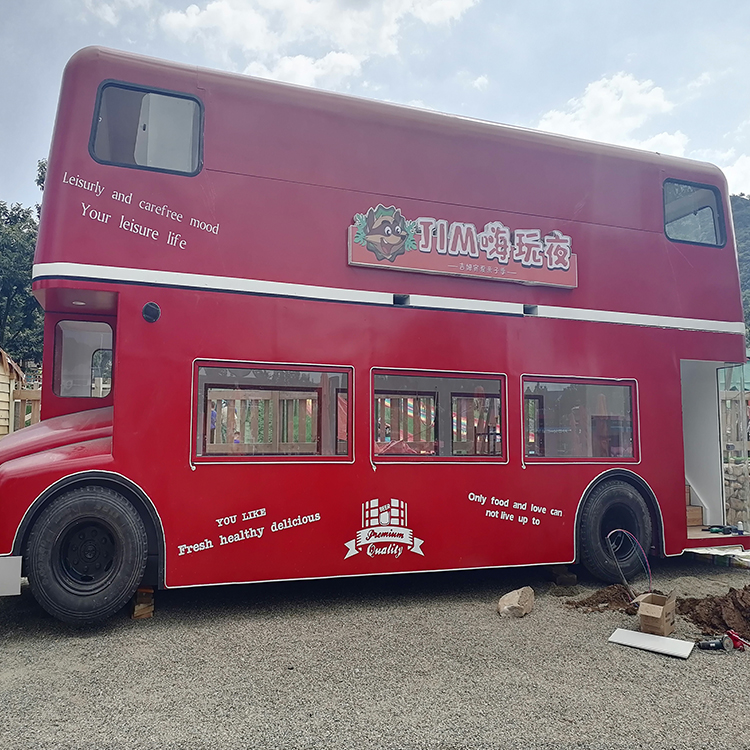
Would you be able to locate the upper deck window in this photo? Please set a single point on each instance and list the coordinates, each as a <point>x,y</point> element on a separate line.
<point>135,127</point>
<point>692,213</point>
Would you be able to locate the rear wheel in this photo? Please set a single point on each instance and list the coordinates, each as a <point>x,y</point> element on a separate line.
<point>614,505</point>
<point>86,555</point>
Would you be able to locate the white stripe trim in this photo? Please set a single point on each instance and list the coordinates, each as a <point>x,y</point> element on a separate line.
<point>333,294</point>
<point>639,319</point>
<point>203,281</point>
<point>467,305</point>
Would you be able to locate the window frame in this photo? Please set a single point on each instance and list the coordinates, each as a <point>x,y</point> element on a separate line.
<point>391,458</point>
<point>198,459</point>
<point>104,400</point>
<point>111,82</point>
<point>631,383</point>
<point>719,220</point>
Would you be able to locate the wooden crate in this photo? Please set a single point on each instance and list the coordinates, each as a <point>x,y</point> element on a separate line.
<point>694,515</point>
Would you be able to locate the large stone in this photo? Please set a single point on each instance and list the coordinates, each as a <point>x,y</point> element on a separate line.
<point>516,603</point>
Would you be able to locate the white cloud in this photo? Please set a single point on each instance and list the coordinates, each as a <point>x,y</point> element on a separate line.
<point>222,24</point>
<point>740,131</point>
<point>738,175</point>
<point>308,71</point>
<point>612,110</point>
<point>673,144</point>
<point>439,11</point>
<point>480,83</point>
<point>103,11</point>
<point>309,41</point>
<point>110,12</point>
<point>702,80</point>
<point>713,155</point>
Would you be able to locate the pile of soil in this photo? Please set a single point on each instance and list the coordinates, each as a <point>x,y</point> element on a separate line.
<point>716,614</point>
<point>615,597</point>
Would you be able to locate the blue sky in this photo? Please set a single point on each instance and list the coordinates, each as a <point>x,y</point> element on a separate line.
<point>669,76</point>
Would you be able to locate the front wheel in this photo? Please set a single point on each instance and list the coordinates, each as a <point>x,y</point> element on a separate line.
<point>614,505</point>
<point>86,555</point>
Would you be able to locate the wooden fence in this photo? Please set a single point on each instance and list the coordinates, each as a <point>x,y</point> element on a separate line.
<point>26,408</point>
<point>252,422</point>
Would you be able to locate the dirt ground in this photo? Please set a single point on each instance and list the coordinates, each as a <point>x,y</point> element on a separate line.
<point>411,661</point>
<point>712,614</point>
<point>715,614</point>
<point>613,598</point>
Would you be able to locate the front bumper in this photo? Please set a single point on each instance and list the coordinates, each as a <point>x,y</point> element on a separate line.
<point>10,576</point>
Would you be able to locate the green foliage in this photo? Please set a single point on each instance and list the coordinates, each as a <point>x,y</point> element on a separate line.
<point>41,173</point>
<point>21,318</point>
<point>741,216</point>
<point>360,236</point>
<point>411,230</point>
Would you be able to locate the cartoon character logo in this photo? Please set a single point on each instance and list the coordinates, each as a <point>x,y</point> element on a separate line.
<point>385,232</point>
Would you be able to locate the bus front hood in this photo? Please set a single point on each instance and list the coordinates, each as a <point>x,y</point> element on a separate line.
<point>57,432</point>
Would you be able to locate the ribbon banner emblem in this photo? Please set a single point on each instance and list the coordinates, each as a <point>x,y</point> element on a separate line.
<point>384,531</point>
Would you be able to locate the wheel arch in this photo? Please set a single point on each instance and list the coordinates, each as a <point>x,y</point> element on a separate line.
<point>649,496</point>
<point>140,500</point>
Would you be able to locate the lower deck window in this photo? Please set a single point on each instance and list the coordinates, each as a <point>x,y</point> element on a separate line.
<point>578,420</point>
<point>270,412</point>
<point>428,415</point>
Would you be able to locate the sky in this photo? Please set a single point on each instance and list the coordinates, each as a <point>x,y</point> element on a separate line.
<point>663,75</point>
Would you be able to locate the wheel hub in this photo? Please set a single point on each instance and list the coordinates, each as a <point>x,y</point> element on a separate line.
<point>87,554</point>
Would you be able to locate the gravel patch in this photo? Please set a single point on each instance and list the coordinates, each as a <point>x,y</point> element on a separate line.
<point>413,661</point>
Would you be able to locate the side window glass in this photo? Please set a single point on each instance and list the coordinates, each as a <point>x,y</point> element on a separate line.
<point>578,420</point>
<point>246,411</point>
<point>83,359</point>
<point>421,416</point>
<point>139,128</point>
<point>692,213</point>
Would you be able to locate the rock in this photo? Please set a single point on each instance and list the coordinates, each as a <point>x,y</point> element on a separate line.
<point>516,603</point>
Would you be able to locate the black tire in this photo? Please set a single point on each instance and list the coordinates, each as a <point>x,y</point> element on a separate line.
<point>86,555</point>
<point>614,505</point>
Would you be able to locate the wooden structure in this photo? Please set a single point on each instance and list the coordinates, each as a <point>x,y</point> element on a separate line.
<point>143,604</point>
<point>11,377</point>
<point>27,407</point>
<point>262,421</point>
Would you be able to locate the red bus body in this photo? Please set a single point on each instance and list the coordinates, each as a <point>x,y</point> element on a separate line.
<point>262,278</point>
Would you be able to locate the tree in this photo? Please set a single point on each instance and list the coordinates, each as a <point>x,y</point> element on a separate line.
<point>21,318</point>
<point>41,173</point>
<point>741,216</point>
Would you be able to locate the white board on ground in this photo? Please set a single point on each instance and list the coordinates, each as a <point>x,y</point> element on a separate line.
<point>656,643</point>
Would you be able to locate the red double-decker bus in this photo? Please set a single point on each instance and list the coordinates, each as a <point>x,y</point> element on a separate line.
<point>291,334</point>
